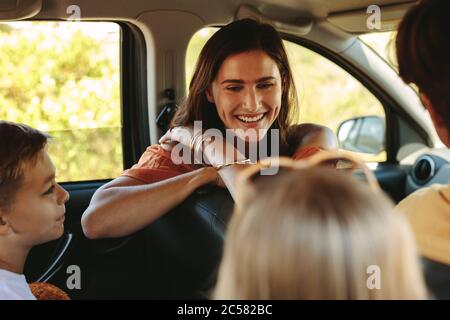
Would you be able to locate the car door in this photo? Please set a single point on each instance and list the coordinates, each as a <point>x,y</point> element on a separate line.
<point>84,84</point>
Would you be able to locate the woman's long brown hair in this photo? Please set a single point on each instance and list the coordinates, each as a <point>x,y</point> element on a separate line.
<point>237,37</point>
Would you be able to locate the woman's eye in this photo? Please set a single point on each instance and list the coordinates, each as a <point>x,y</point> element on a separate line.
<point>264,85</point>
<point>234,88</point>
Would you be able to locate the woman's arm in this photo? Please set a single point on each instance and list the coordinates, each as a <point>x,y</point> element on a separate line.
<point>219,152</point>
<point>302,136</point>
<point>126,205</point>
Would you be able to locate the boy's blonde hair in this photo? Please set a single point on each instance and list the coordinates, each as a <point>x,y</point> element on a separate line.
<point>313,234</point>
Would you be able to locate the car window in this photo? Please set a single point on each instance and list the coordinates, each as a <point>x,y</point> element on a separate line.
<point>383,43</point>
<point>328,95</point>
<point>196,44</point>
<point>64,78</point>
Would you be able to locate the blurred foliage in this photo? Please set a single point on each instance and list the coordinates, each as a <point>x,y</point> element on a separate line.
<point>64,78</point>
<point>383,43</point>
<point>327,94</point>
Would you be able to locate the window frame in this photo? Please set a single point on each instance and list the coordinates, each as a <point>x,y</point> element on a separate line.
<point>135,132</point>
<point>134,97</point>
<point>391,108</point>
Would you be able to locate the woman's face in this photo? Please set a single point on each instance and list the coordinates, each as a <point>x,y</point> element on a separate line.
<point>247,92</point>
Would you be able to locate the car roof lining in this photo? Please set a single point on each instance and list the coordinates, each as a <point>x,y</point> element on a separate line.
<point>355,21</point>
<point>349,15</point>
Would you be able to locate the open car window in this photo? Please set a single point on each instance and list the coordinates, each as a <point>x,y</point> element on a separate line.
<point>331,97</point>
<point>64,78</point>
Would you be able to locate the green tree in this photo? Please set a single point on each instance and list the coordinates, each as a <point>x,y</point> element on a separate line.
<point>59,78</point>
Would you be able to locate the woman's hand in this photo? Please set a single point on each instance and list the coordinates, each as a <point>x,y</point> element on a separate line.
<point>216,152</point>
<point>176,135</point>
<point>219,151</point>
<point>219,181</point>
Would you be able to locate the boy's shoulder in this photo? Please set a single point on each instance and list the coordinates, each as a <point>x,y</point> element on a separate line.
<point>14,286</point>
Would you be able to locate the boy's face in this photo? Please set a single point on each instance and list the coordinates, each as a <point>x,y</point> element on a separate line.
<point>37,214</point>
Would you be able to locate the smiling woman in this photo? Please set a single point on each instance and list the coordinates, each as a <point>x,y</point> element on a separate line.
<point>242,82</point>
<point>240,53</point>
<point>345,97</point>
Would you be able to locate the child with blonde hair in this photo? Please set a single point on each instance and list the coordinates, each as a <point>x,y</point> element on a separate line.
<point>313,232</point>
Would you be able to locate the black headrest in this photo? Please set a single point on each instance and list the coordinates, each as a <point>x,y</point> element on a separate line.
<point>437,278</point>
<point>184,247</point>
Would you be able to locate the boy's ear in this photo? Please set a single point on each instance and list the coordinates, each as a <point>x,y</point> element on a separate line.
<point>5,228</point>
<point>438,122</point>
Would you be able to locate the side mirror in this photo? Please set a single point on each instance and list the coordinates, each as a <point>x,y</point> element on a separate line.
<point>363,134</point>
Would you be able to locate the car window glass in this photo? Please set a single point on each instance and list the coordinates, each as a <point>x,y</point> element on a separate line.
<point>64,78</point>
<point>328,95</point>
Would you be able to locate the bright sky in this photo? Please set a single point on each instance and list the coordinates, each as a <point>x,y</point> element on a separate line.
<point>96,30</point>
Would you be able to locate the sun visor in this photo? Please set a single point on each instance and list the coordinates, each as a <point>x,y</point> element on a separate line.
<point>366,20</point>
<point>302,26</point>
<point>19,9</point>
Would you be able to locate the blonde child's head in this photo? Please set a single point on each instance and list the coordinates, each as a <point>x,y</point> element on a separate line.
<point>317,234</point>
